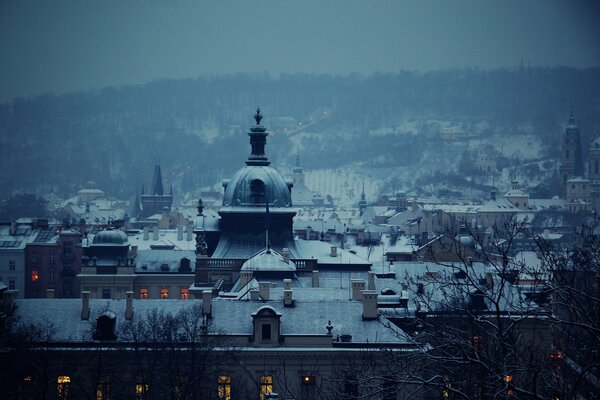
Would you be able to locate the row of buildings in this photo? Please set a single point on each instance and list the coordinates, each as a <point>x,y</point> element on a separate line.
<point>260,298</point>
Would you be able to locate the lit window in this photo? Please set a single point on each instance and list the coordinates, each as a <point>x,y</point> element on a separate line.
<point>508,378</point>
<point>141,390</point>
<point>12,265</point>
<point>34,275</point>
<point>143,293</point>
<point>224,387</point>
<point>185,294</point>
<point>62,387</point>
<point>164,293</point>
<point>102,390</point>
<point>308,389</point>
<point>266,386</point>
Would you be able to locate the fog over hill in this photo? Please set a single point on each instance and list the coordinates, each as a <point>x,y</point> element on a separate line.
<point>397,128</point>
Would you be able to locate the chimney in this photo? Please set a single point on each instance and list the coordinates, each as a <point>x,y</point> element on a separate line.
<point>179,232</point>
<point>85,304</point>
<point>308,230</point>
<point>315,278</point>
<point>8,298</point>
<point>146,235</point>
<point>358,286</point>
<point>245,277</point>
<point>333,251</point>
<point>207,302</point>
<point>493,195</point>
<point>134,249</point>
<point>254,294</point>
<point>264,289</point>
<point>369,304</point>
<point>189,231</point>
<point>155,233</point>
<point>12,228</point>
<point>129,304</point>
<point>287,284</point>
<point>49,293</point>
<point>288,298</point>
<point>371,281</point>
<point>286,255</point>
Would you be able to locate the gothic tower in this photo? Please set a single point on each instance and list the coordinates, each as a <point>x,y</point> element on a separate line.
<point>571,161</point>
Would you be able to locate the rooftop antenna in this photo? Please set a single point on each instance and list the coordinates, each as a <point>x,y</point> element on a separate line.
<point>267,223</point>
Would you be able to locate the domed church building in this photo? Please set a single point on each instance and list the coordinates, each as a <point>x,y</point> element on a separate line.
<point>257,204</point>
<point>257,218</point>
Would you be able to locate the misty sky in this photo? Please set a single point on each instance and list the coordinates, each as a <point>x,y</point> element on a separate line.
<point>61,46</point>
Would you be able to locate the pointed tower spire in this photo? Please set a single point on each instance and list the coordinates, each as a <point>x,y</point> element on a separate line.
<point>157,186</point>
<point>258,139</point>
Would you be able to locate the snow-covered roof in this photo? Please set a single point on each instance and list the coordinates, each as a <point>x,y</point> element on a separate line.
<point>268,260</point>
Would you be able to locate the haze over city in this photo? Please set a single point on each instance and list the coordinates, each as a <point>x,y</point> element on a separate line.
<point>63,46</point>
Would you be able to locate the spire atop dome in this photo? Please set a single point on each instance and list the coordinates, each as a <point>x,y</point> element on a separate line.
<point>257,116</point>
<point>258,139</point>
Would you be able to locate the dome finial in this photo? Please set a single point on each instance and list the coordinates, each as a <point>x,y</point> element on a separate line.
<point>257,116</point>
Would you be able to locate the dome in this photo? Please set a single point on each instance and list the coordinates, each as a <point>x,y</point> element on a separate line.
<point>252,184</point>
<point>113,237</point>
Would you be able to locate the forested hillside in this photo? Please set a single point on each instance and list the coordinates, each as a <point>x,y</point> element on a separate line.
<point>197,128</point>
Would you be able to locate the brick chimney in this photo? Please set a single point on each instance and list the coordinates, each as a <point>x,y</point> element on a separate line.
<point>129,305</point>
<point>146,233</point>
<point>315,278</point>
<point>286,255</point>
<point>207,302</point>
<point>254,293</point>
<point>85,304</point>
<point>264,289</point>
<point>287,284</point>
<point>155,233</point>
<point>189,232</point>
<point>369,304</point>
<point>333,251</point>
<point>179,232</point>
<point>371,285</point>
<point>358,285</point>
<point>288,298</point>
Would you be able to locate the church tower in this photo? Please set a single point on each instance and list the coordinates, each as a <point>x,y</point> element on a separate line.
<point>362,204</point>
<point>571,160</point>
<point>156,201</point>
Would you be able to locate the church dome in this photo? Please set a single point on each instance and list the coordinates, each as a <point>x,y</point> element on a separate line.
<point>110,237</point>
<point>253,184</point>
<point>257,183</point>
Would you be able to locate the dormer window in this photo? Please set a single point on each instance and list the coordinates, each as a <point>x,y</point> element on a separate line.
<point>257,191</point>
<point>266,324</point>
<point>105,326</point>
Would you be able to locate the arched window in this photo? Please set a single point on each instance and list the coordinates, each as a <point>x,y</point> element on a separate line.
<point>257,191</point>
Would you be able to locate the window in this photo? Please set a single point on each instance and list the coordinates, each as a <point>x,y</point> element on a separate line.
<point>106,293</point>
<point>141,390</point>
<point>266,386</point>
<point>143,293</point>
<point>62,387</point>
<point>257,191</point>
<point>33,257</point>
<point>185,294</point>
<point>102,390</point>
<point>11,284</point>
<point>51,275</point>
<point>34,275</point>
<point>164,293</point>
<point>52,259</point>
<point>390,388</point>
<point>567,154</point>
<point>224,387</point>
<point>266,331</point>
<point>68,247</point>
<point>12,265</point>
<point>308,387</point>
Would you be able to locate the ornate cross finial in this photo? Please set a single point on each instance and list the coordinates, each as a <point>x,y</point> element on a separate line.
<point>257,116</point>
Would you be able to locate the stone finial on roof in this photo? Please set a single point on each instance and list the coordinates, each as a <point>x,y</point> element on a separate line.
<point>257,116</point>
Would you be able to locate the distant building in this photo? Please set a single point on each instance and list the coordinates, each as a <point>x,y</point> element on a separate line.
<point>156,201</point>
<point>571,161</point>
